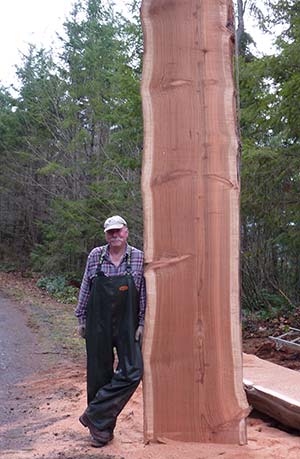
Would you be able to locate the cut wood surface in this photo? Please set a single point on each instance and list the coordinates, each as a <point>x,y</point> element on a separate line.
<point>192,350</point>
<point>273,390</point>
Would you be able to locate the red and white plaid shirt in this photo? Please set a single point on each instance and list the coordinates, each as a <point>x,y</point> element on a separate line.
<point>109,269</point>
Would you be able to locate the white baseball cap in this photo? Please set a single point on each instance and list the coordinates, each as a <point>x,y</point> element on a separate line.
<point>115,222</point>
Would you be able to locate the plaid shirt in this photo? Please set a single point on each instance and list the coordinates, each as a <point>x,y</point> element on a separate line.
<point>137,267</point>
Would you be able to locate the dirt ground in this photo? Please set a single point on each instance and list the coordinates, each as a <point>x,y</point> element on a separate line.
<point>43,393</point>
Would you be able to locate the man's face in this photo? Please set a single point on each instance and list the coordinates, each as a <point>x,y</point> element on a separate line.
<point>117,237</point>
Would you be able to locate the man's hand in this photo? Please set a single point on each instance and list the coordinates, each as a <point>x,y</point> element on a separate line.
<point>81,330</point>
<point>139,334</point>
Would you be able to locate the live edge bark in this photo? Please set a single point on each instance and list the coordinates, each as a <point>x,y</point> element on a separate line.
<point>192,348</point>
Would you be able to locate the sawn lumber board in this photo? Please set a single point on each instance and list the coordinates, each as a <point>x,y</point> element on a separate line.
<point>273,390</point>
<point>193,385</point>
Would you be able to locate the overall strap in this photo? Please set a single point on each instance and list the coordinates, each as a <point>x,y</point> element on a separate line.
<point>128,267</point>
<point>99,271</point>
<point>102,254</point>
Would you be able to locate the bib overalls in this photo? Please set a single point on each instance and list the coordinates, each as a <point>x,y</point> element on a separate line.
<point>112,319</point>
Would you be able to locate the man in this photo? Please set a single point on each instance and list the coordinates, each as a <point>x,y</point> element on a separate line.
<point>110,311</point>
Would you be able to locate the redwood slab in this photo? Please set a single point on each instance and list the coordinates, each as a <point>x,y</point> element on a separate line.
<point>193,388</point>
<point>273,390</point>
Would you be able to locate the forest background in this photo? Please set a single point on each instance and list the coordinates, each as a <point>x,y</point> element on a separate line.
<point>71,144</point>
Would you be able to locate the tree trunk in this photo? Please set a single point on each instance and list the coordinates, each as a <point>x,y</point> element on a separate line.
<point>192,349</point>
<point>241,26</point>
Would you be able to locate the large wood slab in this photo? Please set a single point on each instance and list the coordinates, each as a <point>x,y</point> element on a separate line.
<point>192,349</point>
<point>273,390</point>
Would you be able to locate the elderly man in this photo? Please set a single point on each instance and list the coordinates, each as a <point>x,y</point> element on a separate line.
<point>110,312</point>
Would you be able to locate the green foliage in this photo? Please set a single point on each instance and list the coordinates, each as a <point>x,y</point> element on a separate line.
<point>58,288</point>
<point>275,301</point>
<point>52,284</point>
<point>270,163</point>
<point>78,155</point>
<point>8,267</point>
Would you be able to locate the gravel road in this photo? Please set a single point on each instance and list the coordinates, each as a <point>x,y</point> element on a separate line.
<point>19,358</point>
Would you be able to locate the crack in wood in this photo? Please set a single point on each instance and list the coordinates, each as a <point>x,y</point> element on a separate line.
<point>223,180</point>
<point>166,262</point>
<point>179,173</point>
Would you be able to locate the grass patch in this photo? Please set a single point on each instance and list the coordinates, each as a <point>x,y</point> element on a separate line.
<point>53,322</point>
<point>57,328</point>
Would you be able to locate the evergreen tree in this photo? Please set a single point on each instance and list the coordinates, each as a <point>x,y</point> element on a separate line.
<point>103,124</point>
<point>270,164</point>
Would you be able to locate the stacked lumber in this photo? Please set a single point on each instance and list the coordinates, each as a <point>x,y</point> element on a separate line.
<point>193,388</point>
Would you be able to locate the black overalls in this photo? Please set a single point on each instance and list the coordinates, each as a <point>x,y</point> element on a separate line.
<point>112,319</point>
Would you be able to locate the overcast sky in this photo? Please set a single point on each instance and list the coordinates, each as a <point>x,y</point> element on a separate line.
<point>32,21</point>
<point>29,21</point>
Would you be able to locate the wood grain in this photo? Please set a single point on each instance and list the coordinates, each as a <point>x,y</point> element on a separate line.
<point>192,350</point>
